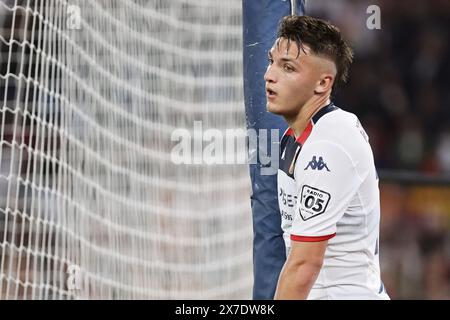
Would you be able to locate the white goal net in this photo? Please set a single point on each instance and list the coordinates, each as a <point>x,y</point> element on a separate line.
<point>91,204</point>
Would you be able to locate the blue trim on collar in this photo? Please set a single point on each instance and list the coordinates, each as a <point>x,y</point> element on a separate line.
<point>328,108</point>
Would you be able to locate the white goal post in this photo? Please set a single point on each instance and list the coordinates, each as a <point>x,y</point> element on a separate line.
<point>91,205</point>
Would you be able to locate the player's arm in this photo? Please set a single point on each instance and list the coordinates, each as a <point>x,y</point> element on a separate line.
<point>300,270</point>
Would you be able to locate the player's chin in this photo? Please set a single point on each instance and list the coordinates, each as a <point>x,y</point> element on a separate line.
<point>273,108</point>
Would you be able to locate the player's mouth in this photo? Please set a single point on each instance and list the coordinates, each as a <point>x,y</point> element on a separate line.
<point>270,93</point>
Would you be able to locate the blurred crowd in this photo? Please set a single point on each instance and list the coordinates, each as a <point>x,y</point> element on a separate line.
<point>415,241</point>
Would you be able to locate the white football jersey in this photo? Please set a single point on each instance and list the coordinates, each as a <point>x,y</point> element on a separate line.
<point>328,190</point>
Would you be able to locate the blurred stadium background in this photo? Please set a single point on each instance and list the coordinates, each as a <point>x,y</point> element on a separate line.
<point>171,232</point>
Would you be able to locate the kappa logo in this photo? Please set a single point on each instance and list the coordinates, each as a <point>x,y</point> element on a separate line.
<point>319,165</point>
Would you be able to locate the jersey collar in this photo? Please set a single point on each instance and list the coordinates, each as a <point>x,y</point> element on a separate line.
<point>328,108</point>
<point>305,134</point>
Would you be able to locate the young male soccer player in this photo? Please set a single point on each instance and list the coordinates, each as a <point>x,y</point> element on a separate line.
<point>327,182</point>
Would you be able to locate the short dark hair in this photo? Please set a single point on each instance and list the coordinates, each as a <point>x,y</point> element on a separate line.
<point>323,39</point>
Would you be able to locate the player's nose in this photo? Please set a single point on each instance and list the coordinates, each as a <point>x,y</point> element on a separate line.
<point>270,75</point>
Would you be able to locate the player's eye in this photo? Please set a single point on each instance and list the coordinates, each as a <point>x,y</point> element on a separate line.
<point>270,60</point>
<point>288,68</point>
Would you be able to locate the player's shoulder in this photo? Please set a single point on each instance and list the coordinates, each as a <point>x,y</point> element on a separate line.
<point>339,131</point>
<point>339,127</point>
<point>334,121</point>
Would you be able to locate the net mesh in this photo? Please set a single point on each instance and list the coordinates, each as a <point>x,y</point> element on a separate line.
<point>91,205</point>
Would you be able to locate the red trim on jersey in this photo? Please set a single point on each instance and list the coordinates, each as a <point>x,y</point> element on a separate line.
<point>305,133</point>
<point>311,239</point>
<point>289,132</point>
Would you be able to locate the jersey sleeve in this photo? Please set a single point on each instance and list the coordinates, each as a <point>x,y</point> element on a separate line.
<point>327,180</point>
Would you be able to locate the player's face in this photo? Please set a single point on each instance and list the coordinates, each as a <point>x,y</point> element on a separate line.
<point>291,78</point>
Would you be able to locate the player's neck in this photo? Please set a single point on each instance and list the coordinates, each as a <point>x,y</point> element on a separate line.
<point>299,123</point>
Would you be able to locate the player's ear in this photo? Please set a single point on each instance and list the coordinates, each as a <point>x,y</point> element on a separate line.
<point>324,84</point>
